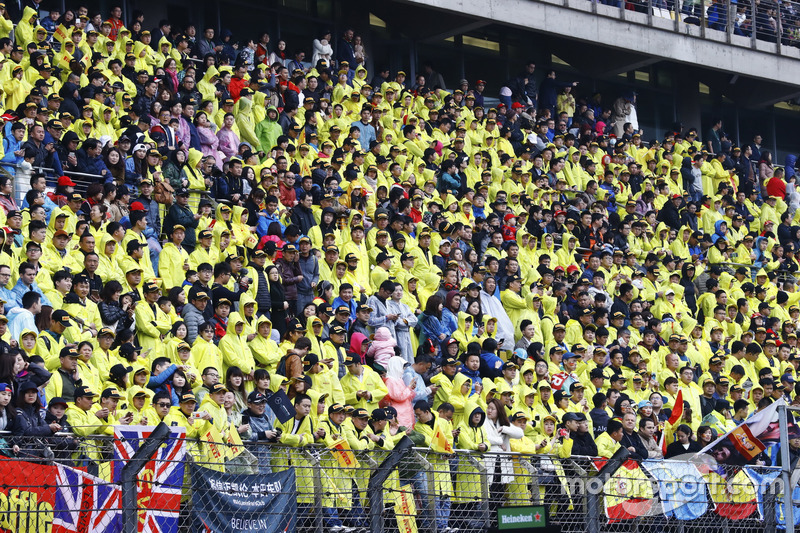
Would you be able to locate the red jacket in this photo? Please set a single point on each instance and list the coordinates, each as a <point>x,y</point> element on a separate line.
<point>776,187</point>
<point>235,87</point>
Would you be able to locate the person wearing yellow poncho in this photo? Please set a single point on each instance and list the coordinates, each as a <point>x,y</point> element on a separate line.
<point>517,306</point>
<point>233,346</point>
<point>205,352</point>
<point>297,432</point>
<point>79,306</point>
<point>174,259</point>
<point>151,322</point>
<point>608,442</point>
<point>362,386</point>
<point>139,403</point>
<point>246,122</point>
<point>16,88</point>
<point>264,350</point>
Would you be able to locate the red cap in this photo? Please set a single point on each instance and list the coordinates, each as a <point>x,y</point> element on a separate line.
<point>562,212</point>
<point>676,196</point>
<point>137,206</point>
<point>509,216</point>
<point>517,105</point>
<point>571,269</point>
<point>65,181</point>
<point>479,82</point>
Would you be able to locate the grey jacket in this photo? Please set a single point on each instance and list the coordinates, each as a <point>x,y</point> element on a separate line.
<point>309,266</point>
<point>193,318</point>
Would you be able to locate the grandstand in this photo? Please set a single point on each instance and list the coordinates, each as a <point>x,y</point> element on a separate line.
<point>406,266</point>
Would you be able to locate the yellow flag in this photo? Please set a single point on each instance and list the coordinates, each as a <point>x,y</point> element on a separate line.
<point>404,510</point>
<point>234,440</point>
<point>440,443</point>
<point>61,34</point>
<point>213,452</point>
<point>344,454</point>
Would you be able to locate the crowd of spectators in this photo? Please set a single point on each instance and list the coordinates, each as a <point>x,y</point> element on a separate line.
<point>397,258</point>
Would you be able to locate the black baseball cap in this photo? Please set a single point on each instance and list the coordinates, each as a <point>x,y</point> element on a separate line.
<point>256,397</point>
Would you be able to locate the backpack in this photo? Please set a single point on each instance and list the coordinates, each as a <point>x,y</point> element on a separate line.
<point>163,193</point>
<point>282,366</point>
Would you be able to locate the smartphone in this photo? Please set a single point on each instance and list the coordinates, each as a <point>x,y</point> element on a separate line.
<point>245,419</point>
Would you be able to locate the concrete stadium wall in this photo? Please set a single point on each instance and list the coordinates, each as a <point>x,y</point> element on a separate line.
<point>591,22</point>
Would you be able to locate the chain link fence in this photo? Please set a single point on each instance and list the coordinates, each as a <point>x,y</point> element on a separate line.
<point>265,487</point>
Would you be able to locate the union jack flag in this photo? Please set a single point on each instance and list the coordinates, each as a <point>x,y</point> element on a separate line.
<point>68,500</point>
<point>84,503</point>
<point>160,481</point>
<point>106,510</point>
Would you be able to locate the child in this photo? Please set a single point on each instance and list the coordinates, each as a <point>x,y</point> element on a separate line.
<point>383,347</point>
<point>24,171</point>
<point>56,413</point>
<point>510,227</point>
<point>166,305</point>
<point>162,371</point>
<point>191,278</point>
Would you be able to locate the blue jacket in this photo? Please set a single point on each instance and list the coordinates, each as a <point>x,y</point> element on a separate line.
<point>20,288</point>
<point>449,321</point>
<point>10,159</point>
<point>49,205</point>
<point>475,376</point>
<point>489,367</point>
<point>450,182</point>
<point>367,133</point>
<point>352,305</point>
<point>159,383</point>
<point>431,328</point>
<point>264,221</point>
<point>421,392</point>
<point>93,165</point>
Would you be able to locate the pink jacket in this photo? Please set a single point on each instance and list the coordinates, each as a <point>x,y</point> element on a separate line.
<point>400,397</point>
<point>228,142</point>
<point>208,141</point>
<point>382,347</point>
<point>357,345</point>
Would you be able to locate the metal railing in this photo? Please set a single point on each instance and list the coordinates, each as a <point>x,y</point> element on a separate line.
<point>467,490</point>
<point>744,23</point>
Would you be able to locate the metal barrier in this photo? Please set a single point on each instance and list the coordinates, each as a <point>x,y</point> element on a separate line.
<point>750,21</point>
<point>466,490</point>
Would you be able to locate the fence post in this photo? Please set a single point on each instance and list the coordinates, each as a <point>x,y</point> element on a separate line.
<point>731,20</point>
<point>592,509</point>
<point>430,490</point>
<point>378,478</point>
<point>134,465</point>
<point>535,499</point>
<point>786,468</point>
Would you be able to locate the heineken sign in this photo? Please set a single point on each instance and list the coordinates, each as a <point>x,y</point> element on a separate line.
<point>511,518</point>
